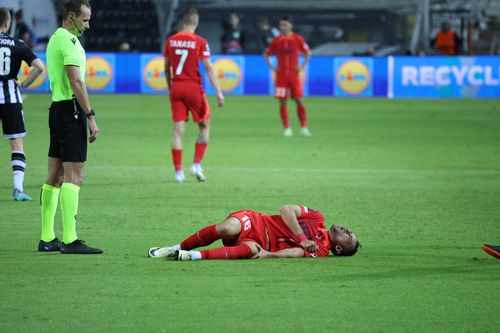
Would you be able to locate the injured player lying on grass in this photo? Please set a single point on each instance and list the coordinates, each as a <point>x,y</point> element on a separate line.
<point>298,231</point>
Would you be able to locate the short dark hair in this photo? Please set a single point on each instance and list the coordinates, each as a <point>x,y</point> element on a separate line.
<point>188,16</point>
<point>286,18</point>
<point>352,251</point>
<point>4,15</point>
<point>74,6</point>
<point>19,14</point>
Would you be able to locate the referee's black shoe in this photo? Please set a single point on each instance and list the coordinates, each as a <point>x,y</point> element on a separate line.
<point>52,246</point>
<point>78,247</point>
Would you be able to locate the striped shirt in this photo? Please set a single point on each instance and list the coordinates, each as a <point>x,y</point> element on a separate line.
<point>12,53</point>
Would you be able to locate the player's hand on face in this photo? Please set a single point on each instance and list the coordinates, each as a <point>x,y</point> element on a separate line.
<point>94,130</point>
<point>220,99</point>
<point>309,245</point>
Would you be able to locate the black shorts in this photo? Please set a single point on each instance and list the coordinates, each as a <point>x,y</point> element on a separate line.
<point>68,131</point>
<point>12,120</point>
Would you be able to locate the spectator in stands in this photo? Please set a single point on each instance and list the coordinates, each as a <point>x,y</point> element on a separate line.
<point>23,31</point>
<point>370,52</point>
<point>446,41</point>
<point>266,33</point>
<point>174,28</point>
<point>233,37</point>
<point>124,47</point>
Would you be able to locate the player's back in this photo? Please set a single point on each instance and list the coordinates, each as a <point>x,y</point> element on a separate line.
<point>185,50</point>
<point>12,53</point>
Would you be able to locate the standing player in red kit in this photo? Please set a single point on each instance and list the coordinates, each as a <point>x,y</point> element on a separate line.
<point>298,231</point>
<point>183,53</point>
<point>287,47</point>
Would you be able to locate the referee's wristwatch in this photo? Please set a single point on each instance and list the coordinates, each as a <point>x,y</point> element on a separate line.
<point>90,114</point>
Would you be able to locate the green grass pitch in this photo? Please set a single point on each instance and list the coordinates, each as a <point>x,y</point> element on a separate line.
<point>417,180</point>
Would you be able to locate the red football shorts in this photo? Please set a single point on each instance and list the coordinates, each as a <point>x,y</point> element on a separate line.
<point>253,228</point>
<point>288,82</point>
<point>189,97</point>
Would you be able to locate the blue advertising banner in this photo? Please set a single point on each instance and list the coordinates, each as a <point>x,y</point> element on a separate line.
<point>444,77</point>
<point>230,72</point>
<point>41,84</point>
<point>398,77</point>
<point>152,76</point>
<point>353,77</point>
<point>100,73</point>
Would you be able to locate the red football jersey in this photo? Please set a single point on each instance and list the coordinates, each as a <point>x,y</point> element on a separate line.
<point>312,223</point>
<point>185,50</point>
<point>287,50</point>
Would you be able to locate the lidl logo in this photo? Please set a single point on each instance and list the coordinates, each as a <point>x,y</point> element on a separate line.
<point>228,74</point>
<point>353,77</point>
<point>24,71</point>
<point>98,73</point>
<point>154,74</point>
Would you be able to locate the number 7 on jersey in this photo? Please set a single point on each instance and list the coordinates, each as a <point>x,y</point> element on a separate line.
<point>183,53</point>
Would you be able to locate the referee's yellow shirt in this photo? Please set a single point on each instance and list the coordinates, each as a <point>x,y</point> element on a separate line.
<point>64,49</point>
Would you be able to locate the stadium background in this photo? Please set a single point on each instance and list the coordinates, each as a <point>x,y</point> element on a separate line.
<point>383,33</point>
<point>417,179</point>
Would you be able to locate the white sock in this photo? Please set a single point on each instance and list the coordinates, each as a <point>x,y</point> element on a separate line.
<point>195,255</point>
<point>18,164</point>
<point>18,180</point>
<point>177,247</point>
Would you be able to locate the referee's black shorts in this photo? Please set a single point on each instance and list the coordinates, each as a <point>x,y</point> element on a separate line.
<point>68,131</point>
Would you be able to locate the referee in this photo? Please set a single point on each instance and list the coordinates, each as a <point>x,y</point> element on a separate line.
<point>69,114</point>
<point>12,53</point>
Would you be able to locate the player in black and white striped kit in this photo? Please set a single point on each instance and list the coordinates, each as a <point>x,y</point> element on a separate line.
<point>12,53</point>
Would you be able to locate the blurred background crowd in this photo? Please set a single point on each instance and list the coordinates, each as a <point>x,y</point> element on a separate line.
<point>331,27</point>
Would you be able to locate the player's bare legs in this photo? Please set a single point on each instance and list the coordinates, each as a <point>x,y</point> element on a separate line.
<point>73,172</point>
<point>55,175</point>
<point>18,164</point>
<point>200,148</point>
<point>302,114</point>
<point>227,230</point>
<point>177,134</point>
<point>285,120</point>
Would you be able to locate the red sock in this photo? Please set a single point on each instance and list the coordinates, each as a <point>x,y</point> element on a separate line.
<point>177,158</point>
<point>242,251</point>
<point>199,151</point>
<point>205,236</point>
<point>284,116</point>
<point>301,111</point>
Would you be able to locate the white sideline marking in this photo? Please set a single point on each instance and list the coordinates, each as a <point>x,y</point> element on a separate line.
<point>300,170</point>
<point>315,170</point>
<point>362,171</point>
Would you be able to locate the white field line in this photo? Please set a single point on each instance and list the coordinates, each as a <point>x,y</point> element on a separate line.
<point>303,170</point>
